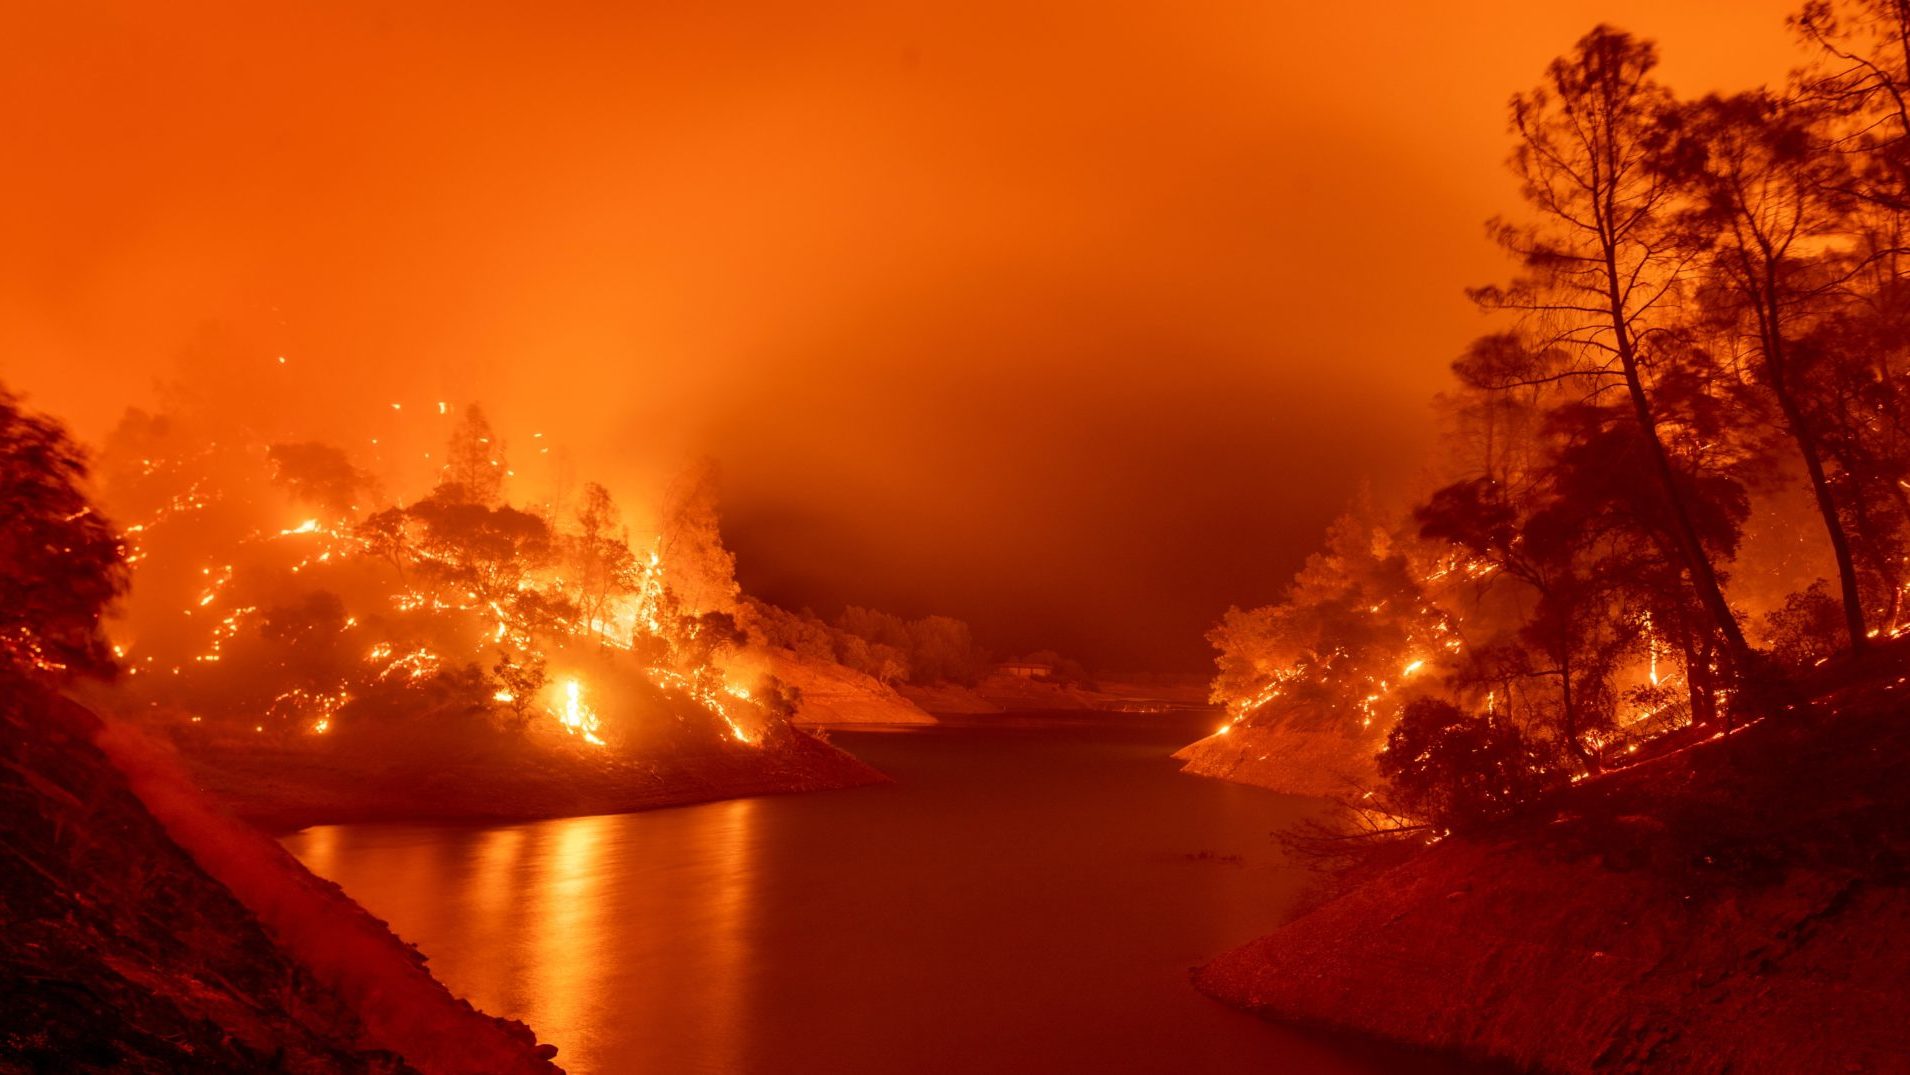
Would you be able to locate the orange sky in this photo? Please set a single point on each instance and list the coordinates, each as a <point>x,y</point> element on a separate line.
<point>1077,319</point>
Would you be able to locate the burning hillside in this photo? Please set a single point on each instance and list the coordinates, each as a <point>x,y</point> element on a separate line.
<point>1381,616</point>
<point>149,930</point>
<point>296,628</point>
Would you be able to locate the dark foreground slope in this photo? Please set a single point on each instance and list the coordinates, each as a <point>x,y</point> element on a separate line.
<point>173,939</point>
<point>1742,906</point>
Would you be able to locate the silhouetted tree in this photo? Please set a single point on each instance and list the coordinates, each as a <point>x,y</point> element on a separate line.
<point>484,554</point>
<point>1458,770</point>
<point>387,534</point>
<point>1600,267</point>
<point>1769,197</point>
<point>875,626</point>
<point>1590,536</point>
<point>319,475</point>
<point>1804,631</point>
<point>61,563</point>
<point>1863,73</point>
<point>521,675</point>
<point>474,460</point>
<point>942,648</point>
<point>704,637</point>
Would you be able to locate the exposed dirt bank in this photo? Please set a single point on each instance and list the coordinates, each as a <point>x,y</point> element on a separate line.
<point>1742,906</point>
<point>146,932</point>
<point>834,694</point>
<point>1016,694</point>
<point>949,699</point>
<point>1292,761</point>
<point>488,780</point>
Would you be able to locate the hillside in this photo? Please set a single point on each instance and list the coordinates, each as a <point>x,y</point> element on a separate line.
<point>146,932</point>
<point>1320,763</point>
<point>832,693</point>
<point>1714,910</point>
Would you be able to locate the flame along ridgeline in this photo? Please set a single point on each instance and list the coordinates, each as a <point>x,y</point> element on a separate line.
<point>457,608</point>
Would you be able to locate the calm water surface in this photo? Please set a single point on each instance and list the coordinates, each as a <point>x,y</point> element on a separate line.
<point>1027,897</point>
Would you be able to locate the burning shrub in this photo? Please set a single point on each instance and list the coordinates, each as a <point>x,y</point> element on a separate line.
<point>1458,771</point>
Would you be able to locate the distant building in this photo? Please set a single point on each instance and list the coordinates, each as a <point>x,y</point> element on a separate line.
<point>1026,669</point>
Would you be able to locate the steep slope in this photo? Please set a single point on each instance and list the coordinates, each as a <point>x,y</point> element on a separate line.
<point>1293,761</point>
<point>1738,907</point>
<point>174,939</point>
<point>834,694</point>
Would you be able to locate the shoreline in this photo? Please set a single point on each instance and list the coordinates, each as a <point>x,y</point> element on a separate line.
<point>1719,916</point>
<point>286,793</point>
<point>153,932</point>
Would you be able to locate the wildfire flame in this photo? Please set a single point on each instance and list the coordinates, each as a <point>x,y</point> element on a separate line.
<point>456,610</point>
<point>576,716</point>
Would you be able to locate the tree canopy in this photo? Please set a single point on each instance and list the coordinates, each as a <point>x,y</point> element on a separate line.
<point>61,563</point>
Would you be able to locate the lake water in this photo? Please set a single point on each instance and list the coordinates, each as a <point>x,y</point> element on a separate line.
<point>1027,897</point>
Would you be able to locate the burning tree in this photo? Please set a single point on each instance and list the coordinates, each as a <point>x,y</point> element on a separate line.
<point>599,559</point>
<point>474,469</point>
<point>1768,205</point>
<point>1587,605</point>
<point>1359,625</point>
<point>1602,267</point>
<point>696,565</point>
<point>1709,309</point>
<point>1709,318</point>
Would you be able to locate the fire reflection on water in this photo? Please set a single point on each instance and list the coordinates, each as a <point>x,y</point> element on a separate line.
<point>578,926</point>
<point>1021,899</point>
<point>566,890</point>
<point>317,848</point>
